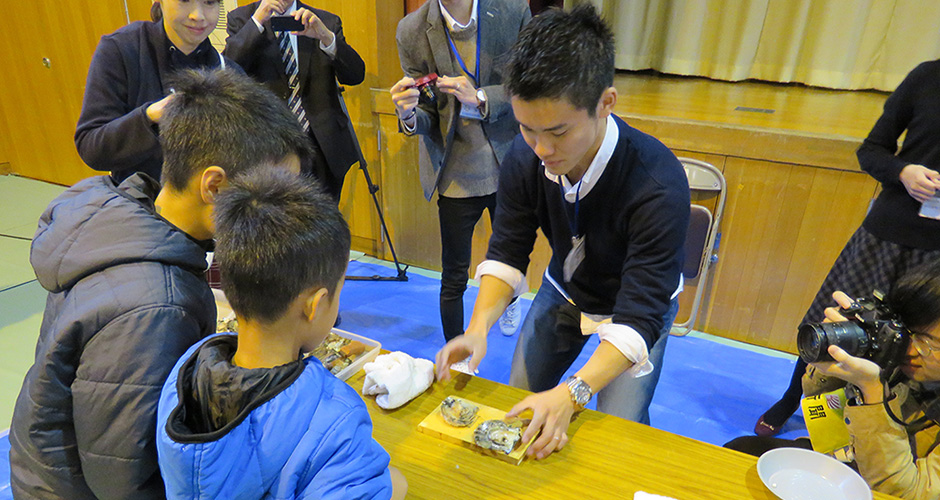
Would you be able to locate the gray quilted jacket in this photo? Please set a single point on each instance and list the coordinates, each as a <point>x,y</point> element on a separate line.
<point>126,299</point>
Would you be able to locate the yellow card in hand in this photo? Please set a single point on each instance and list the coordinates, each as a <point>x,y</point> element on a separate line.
<point>824,421</point>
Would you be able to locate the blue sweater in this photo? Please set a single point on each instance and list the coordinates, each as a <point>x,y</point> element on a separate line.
<point>306,434</point>
<point>634,221</point>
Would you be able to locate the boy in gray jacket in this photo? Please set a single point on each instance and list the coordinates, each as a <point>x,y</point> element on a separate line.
<point>124,267</point>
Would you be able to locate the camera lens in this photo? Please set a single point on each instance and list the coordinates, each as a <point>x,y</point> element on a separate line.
<point>813,340</point>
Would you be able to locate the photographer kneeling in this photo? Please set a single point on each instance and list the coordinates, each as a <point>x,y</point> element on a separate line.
<point>894,421</point>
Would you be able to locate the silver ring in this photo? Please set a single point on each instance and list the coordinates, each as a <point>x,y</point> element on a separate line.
<point>556,437</point>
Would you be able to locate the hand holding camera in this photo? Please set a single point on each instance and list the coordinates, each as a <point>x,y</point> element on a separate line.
<point>268,8</point>
<point>408,92</point>
<point>461,88</point>
<point>857,343</point>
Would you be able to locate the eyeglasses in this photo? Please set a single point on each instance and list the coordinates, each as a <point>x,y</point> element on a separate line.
<point>924,344</point>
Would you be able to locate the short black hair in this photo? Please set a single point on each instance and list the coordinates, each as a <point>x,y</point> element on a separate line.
<point>563,54</point>
<point>277,234</point>
<point>915,297</point>
<point>223,118</point>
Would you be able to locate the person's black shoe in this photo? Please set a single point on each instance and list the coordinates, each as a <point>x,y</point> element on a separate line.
<point>770,423</point>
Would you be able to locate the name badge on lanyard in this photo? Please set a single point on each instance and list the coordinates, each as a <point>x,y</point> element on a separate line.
<point>467,112</point>
<point>576,254</point>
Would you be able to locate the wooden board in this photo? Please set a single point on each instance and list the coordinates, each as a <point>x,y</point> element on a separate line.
<point>435,425</point>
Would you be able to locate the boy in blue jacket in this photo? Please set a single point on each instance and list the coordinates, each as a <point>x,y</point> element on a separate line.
<point>251,416</point>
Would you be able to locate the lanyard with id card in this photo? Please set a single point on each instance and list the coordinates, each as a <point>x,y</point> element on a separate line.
<point>467,111</point>
<point>576,254</point>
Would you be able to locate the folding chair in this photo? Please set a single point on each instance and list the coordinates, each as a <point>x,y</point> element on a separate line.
<point>701,242</point>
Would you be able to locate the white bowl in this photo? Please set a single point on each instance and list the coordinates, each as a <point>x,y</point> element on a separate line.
<point>799,474</point>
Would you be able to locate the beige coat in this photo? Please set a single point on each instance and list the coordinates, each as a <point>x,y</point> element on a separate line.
<point>890,459</point>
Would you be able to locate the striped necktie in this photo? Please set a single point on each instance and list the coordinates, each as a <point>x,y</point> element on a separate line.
<point>293,80</point>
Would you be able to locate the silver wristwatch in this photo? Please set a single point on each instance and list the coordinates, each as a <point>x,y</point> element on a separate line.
<point>580,392</point>
<point>481,97</point>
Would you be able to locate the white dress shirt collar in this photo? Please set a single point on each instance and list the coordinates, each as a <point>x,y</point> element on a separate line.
<point>452,23</point>
<point>595,169</point>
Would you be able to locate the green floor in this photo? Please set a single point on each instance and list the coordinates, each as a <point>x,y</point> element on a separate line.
<point>21,298</point>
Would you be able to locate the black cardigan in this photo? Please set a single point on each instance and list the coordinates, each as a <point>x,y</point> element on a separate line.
<point>634,221</point>
<point>915,107</point>
<point>128,73</point>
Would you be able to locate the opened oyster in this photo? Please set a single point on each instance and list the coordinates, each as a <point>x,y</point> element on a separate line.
<point>498,435</point>
<point>457,412</point>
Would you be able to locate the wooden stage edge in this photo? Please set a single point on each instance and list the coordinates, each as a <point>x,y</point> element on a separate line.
<point>783,123</point>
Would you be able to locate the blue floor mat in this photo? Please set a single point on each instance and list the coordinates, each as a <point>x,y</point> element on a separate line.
<point>709,390</point>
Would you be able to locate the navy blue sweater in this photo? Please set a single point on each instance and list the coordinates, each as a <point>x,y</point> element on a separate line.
<point>634,221</point>
<point>128,73</point>
<point>915,107</point>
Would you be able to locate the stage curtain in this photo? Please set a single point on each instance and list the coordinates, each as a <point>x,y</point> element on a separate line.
<point>843,44</point>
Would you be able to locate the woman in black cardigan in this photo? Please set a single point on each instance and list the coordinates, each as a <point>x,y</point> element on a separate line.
<point>127,85</point>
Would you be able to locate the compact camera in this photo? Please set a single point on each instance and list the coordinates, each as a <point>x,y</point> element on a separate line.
<point>425,86</point>
<point>872,331</point>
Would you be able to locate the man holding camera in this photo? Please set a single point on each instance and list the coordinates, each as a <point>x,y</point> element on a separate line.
<point>466,128</point>
<point>303,67</point>
<point>892,418</point>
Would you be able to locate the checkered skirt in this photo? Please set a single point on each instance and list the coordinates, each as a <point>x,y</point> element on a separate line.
<point>866,263</point>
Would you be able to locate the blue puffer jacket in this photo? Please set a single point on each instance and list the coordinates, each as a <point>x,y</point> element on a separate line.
<point>309,437</point>
<point>127,297</point>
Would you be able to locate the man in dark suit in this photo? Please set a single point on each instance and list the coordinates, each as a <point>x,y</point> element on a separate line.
<point>320,57</point>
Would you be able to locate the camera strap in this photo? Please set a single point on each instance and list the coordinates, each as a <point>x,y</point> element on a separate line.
<point>929,400</point>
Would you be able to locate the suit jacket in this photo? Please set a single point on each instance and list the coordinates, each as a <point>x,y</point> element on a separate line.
<point>423,49</point>
<point>260,56</point>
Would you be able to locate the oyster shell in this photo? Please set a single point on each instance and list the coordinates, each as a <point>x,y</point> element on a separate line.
<point>457,412</point>
<point>498,435</point>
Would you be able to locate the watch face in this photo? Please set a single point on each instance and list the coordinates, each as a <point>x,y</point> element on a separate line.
<point>580,391</point>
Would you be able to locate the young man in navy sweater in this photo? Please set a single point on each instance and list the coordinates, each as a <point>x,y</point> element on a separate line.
<point>613,203</point>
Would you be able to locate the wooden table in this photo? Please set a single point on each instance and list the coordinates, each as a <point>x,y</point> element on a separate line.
<point>607,457</point>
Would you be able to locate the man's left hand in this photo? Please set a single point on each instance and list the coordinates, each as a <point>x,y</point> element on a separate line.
<point>551,413</point>
<point>459,87</point>
<point>313,27</point>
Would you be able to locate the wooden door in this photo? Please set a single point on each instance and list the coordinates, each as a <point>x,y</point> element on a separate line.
<point>46,55</point>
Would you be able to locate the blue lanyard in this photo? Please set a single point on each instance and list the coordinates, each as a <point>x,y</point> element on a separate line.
<point>577,201</point>
<point>453,48</point>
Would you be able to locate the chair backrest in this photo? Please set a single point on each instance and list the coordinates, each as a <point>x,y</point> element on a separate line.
<point>696,239</point>
<point>700,247</point>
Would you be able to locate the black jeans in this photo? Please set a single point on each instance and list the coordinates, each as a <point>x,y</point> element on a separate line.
<point>458,217</point>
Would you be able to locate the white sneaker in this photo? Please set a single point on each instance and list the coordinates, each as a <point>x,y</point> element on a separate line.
<point>462,366</point>
<point>509,321</point>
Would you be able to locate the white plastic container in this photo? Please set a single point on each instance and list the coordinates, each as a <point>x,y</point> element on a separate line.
<point>372,350</point>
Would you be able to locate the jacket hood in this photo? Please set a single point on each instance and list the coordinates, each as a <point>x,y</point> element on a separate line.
<point>95,225</point>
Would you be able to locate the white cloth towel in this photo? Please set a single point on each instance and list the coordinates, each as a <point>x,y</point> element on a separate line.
<point>397,378</point>
<point>642,495</point>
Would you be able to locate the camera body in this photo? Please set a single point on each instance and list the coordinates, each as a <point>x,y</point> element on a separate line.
<point>872,331</point>
<point>425,86</point>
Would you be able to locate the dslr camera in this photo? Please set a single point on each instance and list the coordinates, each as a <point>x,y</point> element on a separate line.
<point>872,331</point>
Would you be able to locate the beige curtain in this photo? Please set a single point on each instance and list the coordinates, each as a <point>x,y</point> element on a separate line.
<point>844,44</point>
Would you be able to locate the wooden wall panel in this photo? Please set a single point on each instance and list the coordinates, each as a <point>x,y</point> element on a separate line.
<point>41,103</point>
<point>369,27</point>
<point>784,226</point>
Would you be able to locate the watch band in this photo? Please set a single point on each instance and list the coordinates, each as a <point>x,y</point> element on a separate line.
<point>580,392</point>
<point>481,96</point>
